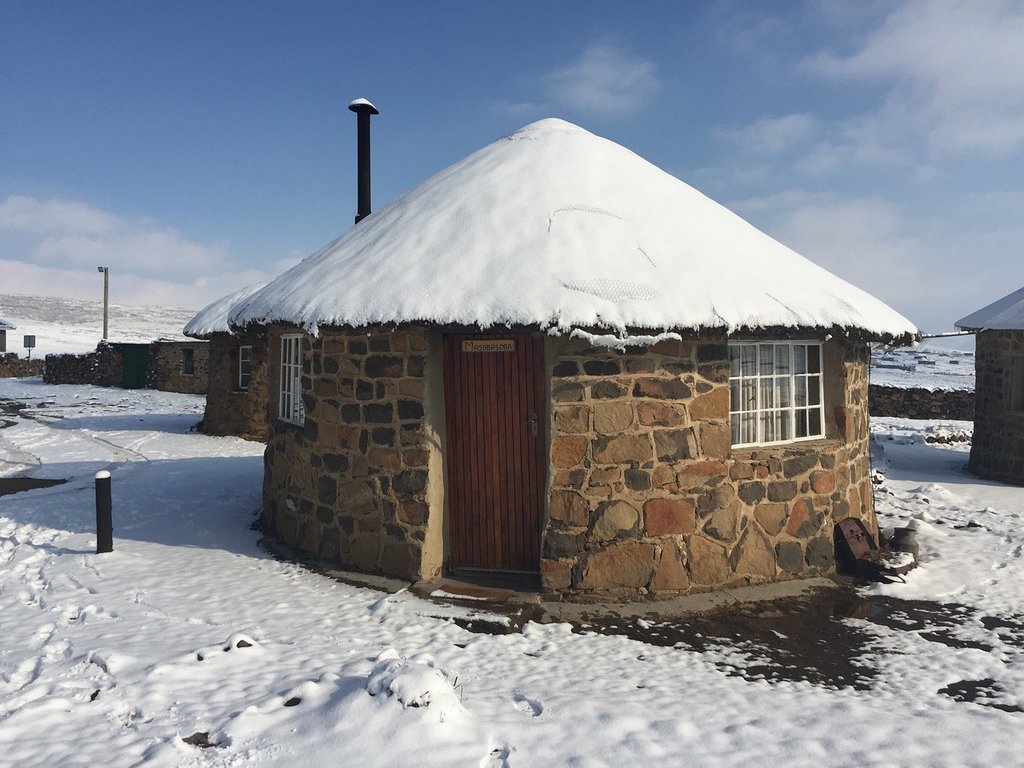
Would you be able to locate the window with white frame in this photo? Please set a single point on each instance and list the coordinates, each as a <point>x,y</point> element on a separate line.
<point>775,392</point>
<point>244,367</point>
<point>290,401</point>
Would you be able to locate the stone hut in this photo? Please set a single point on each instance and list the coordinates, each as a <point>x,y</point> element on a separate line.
<point>997,447</point>
<point>554,358</point>
<point>178,366</point>
<point>236,390</point>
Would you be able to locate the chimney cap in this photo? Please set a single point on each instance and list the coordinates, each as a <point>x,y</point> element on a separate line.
<point>363,105</point>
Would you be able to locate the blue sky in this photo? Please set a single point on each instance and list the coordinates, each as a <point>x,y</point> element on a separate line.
<point>197,147</point>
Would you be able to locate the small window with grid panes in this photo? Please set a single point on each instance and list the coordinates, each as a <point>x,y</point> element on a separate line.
<point>775,392</point>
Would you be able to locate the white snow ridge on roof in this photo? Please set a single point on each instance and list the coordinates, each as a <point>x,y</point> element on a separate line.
<point>556,227</point>
<point>6,326</point>
<point>1007,314</point>
<point>214,317</point>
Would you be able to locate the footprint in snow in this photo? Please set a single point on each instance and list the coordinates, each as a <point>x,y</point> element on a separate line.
<point>527,706</point>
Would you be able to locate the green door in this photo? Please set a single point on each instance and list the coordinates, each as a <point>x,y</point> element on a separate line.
<point>135,365</point>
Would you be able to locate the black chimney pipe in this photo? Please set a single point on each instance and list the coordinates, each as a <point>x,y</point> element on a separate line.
<point>363,110</point>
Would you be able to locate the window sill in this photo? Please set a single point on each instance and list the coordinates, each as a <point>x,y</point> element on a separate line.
<point>782,449</point>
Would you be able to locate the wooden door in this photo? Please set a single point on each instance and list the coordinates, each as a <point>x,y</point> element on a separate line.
<point>495,413</point>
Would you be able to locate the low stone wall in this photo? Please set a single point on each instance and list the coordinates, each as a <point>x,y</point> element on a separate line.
<point>648,498</point>
<point>104,368</point>
<point>168,370</point>
<point>997,446</point>
<point>14,367</point>
<point>918,403</point>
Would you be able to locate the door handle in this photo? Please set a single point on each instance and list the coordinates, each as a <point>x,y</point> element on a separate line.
<point>533,422</point>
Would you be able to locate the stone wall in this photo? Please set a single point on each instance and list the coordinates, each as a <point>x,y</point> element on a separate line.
<point>12,366</point>
<point>997,447</point>
<point>918,403</point>
<point>167,369</point>
<point>647,496</point>
<point>231,410</point>
<point>103,367</point>
<point>353,484</point>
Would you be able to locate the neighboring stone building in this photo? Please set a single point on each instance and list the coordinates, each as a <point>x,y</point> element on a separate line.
<point>236,394</point>
<point>179,366</point>
<point>554,358</point>
<point>4,328</point>
<point>997,446</point>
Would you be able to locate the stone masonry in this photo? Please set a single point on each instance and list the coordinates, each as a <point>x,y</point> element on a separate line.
<point>920,403</point>
<point>231,410</point>
<point>13,366</point>
<point>352,485</point>
<point>169,372</point>
<point>997,447</point>
<point>648,498</point>
<point>102,367</point>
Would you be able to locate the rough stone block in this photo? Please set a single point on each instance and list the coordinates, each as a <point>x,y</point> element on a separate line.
<point>803,519</point>
<point>715,439</point>
<point>656,414</point>
<point>820,553</point>
<point>611,418</point>
<point>713,405</point>
<point>754,555</point>
<point>675,444</point>
<point>708,561</point>
<point>569,507</point>
<point>555,575</point>
<point>661,388</point>
<point>572,419</point>
<point>629,564</point>
<point>614,520</point>
<point>623,449</point>
<point>671,575</point>
<point>695,474</point>
<point>790,556</point>
<point>771,516</point>
<point>823,482</point>
<point>568,450</point>
<point>782,490</point>
<point>665,517</point>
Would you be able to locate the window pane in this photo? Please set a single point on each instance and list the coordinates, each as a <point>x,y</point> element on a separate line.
<point>768,428</point>
<point>784,425</point>
<point>782,358</point>
<point>748,398</point>
<point>766,360</point>
<point>736,430</point>
<point>799,358</point>
<point>814,390</point>
<point>735,402</point>
<point>748,359</point>
<point>784,398</point>
<point>767,393</point>
<point>801,390</point>
<point>801,424</point>
<point>814,422</point>
<point>748,428</point>
<point>734,361</point>
<point>813,358</point>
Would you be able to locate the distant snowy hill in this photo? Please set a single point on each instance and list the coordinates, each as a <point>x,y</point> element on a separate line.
<point>72,325</point>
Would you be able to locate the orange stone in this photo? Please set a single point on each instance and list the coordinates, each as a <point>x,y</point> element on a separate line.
<point>665,517</point>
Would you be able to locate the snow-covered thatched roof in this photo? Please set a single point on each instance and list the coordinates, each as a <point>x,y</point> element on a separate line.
<point>1007,314</point>
<point>556,227</point>
<point>214,317</point>
<point>5,326</point>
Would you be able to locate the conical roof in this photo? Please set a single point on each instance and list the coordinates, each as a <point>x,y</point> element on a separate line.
<point>557,227</point>
<point>213,318</point>
<point>1007,314</point>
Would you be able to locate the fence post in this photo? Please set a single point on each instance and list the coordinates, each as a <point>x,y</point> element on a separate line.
<point>104,516</point>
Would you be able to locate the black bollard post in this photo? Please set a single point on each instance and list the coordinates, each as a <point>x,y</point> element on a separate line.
<point>104,516</point>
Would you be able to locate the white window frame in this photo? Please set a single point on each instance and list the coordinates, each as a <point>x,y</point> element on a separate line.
<point>290,399</point>
<point>773,401</point>
<point>244,366</point>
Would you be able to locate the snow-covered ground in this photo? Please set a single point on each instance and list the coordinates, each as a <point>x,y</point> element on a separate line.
<point>72,325</point>
<point>190,631</point>
<point>932,364</point>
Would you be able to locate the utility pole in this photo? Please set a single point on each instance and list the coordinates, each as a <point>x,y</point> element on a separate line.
<point>106,296</point>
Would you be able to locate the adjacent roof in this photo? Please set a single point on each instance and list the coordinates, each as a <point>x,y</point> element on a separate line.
<point>5,326</point>
<point>214,317</point>
<point>555,226</point>
<point>1007,314</point>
